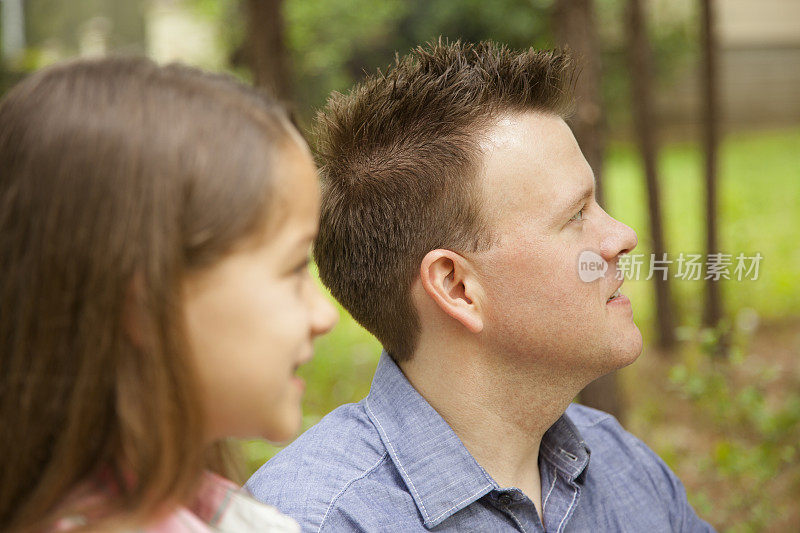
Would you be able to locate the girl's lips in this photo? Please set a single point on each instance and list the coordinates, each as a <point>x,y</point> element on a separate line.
<point>295,379</point>
<point>298,382</point>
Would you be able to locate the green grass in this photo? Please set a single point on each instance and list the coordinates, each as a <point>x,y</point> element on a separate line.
<point>759,186</point>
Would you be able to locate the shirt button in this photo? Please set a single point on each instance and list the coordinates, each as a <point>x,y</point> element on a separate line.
<point>504,499</point>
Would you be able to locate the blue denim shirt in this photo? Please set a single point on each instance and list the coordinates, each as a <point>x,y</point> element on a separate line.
<point>391,463</point>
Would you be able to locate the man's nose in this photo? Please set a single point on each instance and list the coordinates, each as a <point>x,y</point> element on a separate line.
<point>618,239</point>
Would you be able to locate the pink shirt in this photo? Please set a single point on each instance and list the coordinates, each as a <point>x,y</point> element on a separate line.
<point>219,506</point>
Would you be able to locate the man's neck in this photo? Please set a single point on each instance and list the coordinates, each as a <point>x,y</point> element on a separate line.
<point>499,412</point>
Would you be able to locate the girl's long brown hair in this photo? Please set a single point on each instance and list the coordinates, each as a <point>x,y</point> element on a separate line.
<point>117,176</point>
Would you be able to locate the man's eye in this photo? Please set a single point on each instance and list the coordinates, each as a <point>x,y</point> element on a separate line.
<point>578,216</point>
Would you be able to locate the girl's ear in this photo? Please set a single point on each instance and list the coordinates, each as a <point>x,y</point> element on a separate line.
<point>450,282</point>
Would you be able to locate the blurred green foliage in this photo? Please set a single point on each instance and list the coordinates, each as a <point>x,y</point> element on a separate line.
<point>756,437</point>
<point>48,20</point>
<point>333,43</point>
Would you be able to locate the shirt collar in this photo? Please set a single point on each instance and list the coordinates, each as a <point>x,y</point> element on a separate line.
<point>563,446</point>
<point>440,473</point>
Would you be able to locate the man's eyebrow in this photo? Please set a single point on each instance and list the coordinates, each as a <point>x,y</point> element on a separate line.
<point>588,192</point>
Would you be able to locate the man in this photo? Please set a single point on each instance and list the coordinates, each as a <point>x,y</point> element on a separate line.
<point>456,204</point>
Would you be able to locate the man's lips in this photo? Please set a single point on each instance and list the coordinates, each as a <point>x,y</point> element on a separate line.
<point>614,292</point>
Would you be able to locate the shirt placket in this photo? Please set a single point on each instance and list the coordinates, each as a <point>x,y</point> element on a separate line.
<point>519,508</point>
<point>561,500</point>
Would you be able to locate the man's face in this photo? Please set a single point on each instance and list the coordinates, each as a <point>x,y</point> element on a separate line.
<point>539,198</point>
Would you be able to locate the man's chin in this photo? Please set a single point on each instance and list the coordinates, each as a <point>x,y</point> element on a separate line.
<point>629,348</point>
<point>621,351</point>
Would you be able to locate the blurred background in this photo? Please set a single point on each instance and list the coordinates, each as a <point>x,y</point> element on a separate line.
<point>689,113</point>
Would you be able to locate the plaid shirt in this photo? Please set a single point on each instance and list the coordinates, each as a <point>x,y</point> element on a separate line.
<point>219,506</point>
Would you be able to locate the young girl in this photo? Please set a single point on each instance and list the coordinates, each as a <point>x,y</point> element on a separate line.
<point>155,224</point>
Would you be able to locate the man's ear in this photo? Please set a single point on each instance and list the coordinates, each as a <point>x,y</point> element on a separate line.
<point>448,281</point>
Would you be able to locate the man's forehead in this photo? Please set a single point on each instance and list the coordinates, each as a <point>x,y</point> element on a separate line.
<point>518,131</point>
<point>531,161</point>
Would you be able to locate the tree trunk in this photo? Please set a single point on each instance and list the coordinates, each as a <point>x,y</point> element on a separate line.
<point>713,308</point>
<point>266,50</point>
<point>604,394</point>
<point>573,24</point>
<point>639,58</point>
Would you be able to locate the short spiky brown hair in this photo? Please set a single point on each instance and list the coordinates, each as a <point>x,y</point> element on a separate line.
<point>399,157</point>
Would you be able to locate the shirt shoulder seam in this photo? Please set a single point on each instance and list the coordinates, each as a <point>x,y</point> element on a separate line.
<point>347,486</point>
<point>595,422</point>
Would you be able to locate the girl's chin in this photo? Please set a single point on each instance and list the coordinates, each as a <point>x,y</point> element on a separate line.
<point>289,429</point>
